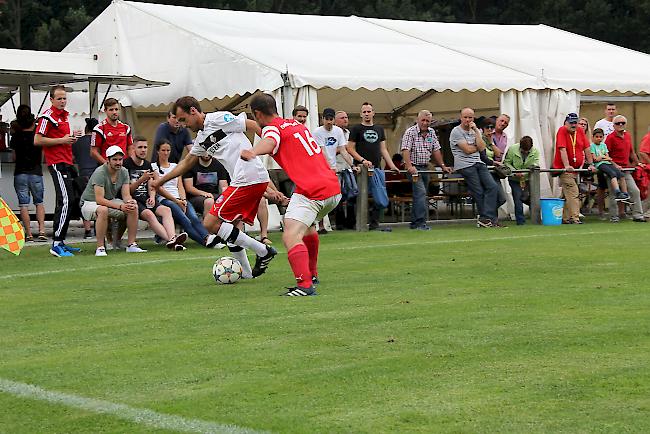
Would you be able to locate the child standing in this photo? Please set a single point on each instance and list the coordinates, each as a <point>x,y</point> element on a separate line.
<point>605,165</point>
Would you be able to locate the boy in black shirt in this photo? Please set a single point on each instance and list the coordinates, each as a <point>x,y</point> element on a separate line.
<point>204,182</point>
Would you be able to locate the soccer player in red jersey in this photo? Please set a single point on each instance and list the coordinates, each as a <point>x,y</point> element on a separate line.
<point>110,132</point>
<point>317,187</point>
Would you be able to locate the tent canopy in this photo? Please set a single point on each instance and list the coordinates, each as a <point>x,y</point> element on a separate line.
<point>212,53</point>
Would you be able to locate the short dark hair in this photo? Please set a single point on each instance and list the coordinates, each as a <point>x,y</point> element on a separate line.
<point>367,103</point>
<point>611,103</point>
<point>598,131</point>
<point>55,88</point>
<point>110,102</point>
<point>526,140</point>
<point>90,124</point>
<point>264,103</point>
<point>299,108</point>
<point>139,139</point>
<point>186,103</point>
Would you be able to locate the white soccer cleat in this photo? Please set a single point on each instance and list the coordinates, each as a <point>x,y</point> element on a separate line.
<point>134,248</point>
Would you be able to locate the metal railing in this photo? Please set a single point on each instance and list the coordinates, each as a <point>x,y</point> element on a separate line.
<point>534,185</point>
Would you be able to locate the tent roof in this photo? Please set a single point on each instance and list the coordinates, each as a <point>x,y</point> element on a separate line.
<point>211,53</point>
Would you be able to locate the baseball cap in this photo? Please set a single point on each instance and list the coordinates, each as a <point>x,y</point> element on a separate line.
<point>329,113</point>
<point>112,150</point>
<point>571,117</point>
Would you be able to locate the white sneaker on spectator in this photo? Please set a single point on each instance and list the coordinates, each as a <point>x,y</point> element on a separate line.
<point>101,251</point>
<point>134,248</point>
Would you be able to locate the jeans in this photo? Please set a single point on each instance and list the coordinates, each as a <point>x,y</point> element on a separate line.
<point>482,187</point>
<point>501,195</point>
<point>517,193</point>
<point>419,213</point>
<point>26,185</point>
<point>188,220</point>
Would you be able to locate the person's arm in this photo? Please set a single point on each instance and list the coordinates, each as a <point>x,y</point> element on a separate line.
<point>40,140</point>
<point>223,184</point>
<point>253,127</point>
<point>634,159</point>
<point>386,156</point>
<point>352,150</point>
<point>480,144</point>
<point>146,176</point>
<point>183,166</point>
<point>440,162</point>
<point>407,144</point>
<point>644,157</point>
<point>345,154</point>
<point>101,200</point>
<point>565,160</point>
<point>263,147</point>
<point>94,153</point>
<point>188,184</point>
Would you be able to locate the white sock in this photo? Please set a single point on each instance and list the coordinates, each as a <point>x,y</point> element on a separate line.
<point>242,240</point>
<point>56,243</point>
<point>247,272</point>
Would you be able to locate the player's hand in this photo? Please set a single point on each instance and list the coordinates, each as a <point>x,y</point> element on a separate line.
<point>247,155</point>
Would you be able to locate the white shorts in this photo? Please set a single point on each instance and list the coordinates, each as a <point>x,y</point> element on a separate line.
<point>308,211</point>
<point>89,211</point>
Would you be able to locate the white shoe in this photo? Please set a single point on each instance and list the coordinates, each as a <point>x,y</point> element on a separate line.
<point>101,251</point>
<point>134,248</point>
<point>179,248</point>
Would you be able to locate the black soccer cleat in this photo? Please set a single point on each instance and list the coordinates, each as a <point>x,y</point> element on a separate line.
<point>298,291</point>
<point>262,262</point>
<point>315,281</point>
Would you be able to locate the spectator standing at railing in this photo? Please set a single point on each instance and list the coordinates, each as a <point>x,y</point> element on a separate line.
<point>419,143</point>
<point>521,156</point>
<point>345,213</point>
<point>571,150</point>
<point>607,123</point>
<point>367,145</point>
<point>466,144</point>
<point>500,138</point>
<point>621,150</point>
<point>644,157</point>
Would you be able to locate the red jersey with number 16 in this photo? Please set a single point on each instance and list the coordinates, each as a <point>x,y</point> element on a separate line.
<point>298,153</point>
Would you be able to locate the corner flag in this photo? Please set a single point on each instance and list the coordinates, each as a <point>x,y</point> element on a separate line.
<point>12,235</point>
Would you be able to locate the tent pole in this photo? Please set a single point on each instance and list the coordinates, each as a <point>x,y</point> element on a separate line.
<point>25,92</point>
<point>93,87</point>
<point>287,96</point>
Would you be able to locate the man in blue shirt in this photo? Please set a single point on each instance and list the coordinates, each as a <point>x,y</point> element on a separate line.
<point>177,135</point>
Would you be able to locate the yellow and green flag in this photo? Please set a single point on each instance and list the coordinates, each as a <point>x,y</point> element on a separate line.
<point>12,235</point>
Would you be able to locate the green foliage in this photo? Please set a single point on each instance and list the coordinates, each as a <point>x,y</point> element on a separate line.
<point>42,24</point>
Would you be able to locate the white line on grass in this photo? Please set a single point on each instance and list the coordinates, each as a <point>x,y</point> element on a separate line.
<point>324,248</point>
<point>138,415</point>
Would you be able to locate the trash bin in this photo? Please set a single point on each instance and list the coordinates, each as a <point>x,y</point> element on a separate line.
<point>551,211</point>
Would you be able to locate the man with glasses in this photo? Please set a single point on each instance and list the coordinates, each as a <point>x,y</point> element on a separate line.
<point>571,149</point>
<point>619,145</point>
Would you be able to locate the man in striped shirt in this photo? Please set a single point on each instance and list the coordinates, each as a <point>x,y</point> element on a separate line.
<point>53,134</point>
<point>419,143</point>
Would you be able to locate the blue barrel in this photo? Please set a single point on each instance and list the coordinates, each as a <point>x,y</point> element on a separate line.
<point>552,211</point>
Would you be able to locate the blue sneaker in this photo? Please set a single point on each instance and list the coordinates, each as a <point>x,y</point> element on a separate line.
<point>70,249</point>
<point>60,251</point>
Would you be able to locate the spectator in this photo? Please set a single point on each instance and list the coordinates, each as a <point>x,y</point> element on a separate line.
<point>300,114</point>
<point>604,164</point>
<point>110,132</point>
<point>466,144</point>
<point>644,157</point>
<point>619,145</point>
<point>607,123</point>
<point>332,141</point>
<point>99,200</point>
<point>419,143</point>
<point>488,156</point>
<point>500,138</point>
<point>521,156</point>
<point>583,123</point>
<point>345,212</point>
<point>205,182</point>
<point>53,134</point>
<point>571,149</point>
<point>367,145</point>
<point>173,196</point>
<point>176,134</point>
<point>140,173</point>
<point>4,129</point>
<point>85,164</point>
<point>28,173</point>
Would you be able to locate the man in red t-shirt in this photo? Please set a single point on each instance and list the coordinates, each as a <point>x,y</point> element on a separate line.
<point>571,149</point>
<point>317,187</point>
<point>110,132</point>
<point>621,150</point>
<point>53,134</point>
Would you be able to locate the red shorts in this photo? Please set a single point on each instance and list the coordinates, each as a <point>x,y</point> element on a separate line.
<point>239,203</point>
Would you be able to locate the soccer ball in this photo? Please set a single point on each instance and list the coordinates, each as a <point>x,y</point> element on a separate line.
<point>226,270</point>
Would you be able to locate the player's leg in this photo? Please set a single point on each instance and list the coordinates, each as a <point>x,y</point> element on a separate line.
<point>312,242</point>
<point>239,253</point>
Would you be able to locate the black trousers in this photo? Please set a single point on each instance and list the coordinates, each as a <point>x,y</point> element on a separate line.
<point>63,177</point>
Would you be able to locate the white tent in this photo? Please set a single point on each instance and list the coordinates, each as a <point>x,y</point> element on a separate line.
<point>533,73</point>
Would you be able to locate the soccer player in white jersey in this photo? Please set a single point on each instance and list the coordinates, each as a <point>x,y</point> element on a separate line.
<point>221,135</point>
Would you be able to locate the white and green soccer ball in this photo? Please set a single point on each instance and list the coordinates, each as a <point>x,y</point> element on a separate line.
<point>226,270</point>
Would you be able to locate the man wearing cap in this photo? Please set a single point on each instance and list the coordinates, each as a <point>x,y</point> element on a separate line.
<point>99,200</point>
<point>621,151</point>
<point>571,149</point>
<point>419,143</point>
<point>331,139</point>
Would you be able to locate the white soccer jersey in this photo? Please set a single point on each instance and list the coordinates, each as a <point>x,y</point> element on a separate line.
<point>223,138</point>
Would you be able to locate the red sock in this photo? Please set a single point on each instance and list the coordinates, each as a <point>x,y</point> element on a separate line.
<point>312,242</point>
<point>299,261</point>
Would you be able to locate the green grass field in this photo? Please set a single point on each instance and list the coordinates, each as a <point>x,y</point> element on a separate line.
<point>525,329</point>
